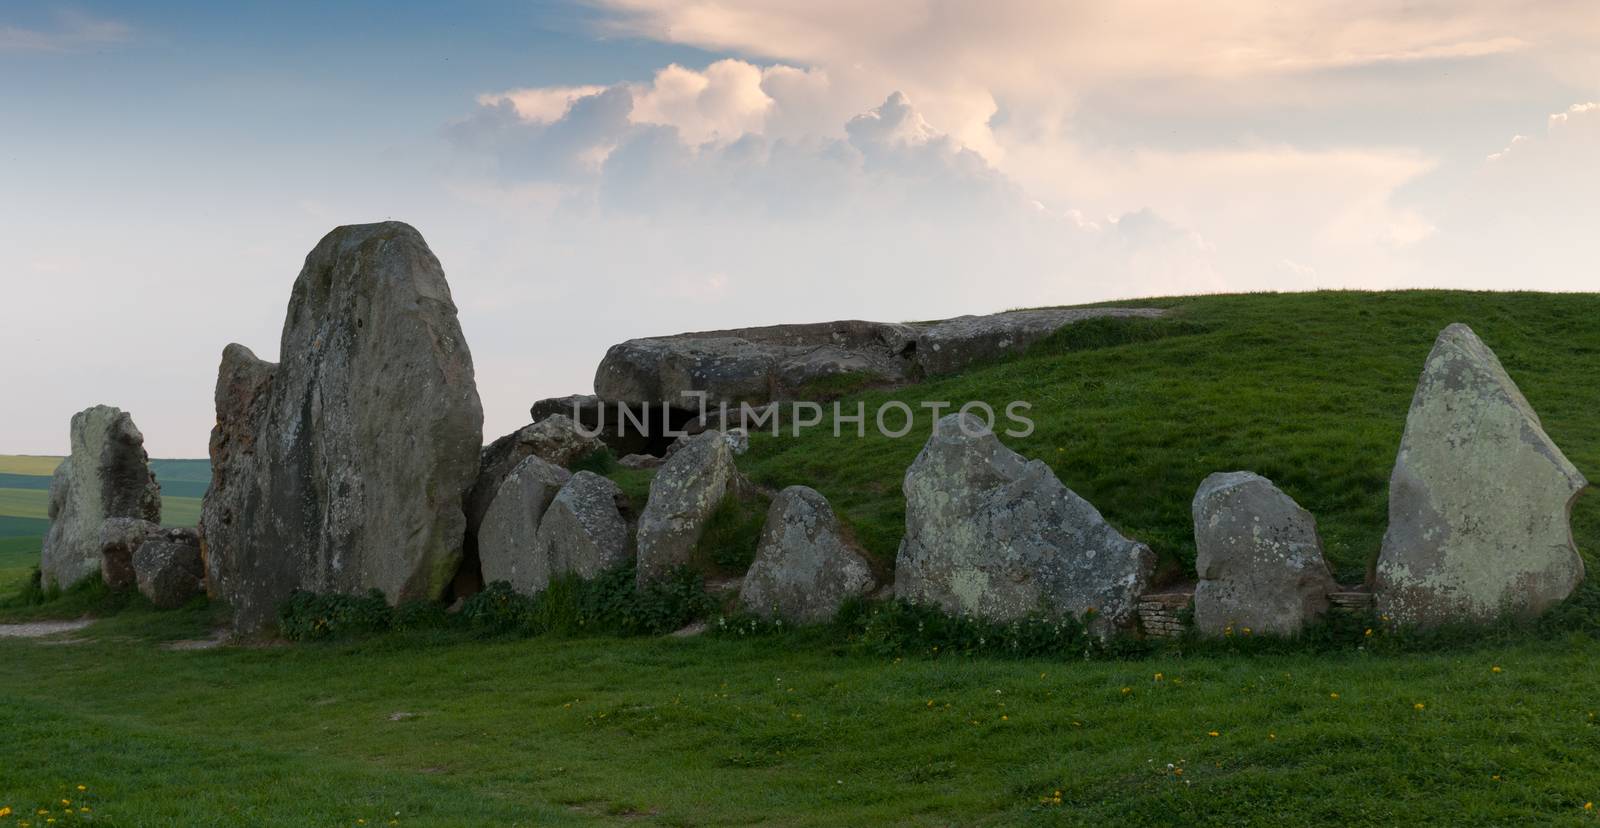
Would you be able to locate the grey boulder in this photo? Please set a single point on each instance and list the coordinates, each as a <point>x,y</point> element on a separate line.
<point>804,567</point>
<point>993,535</point>
<point>809,361</point>
<point>1259,559</point>
<point>683,495</point>
<point>168,568</point>
<point>584,531</point>
<point>954,344</point>
<point>106,476</point>
<point>558,439</point>
<point>507,538</point>
<point>344,466</point>
<point>641,461</point>
<point>119,538</point>
<point>1480,499</point>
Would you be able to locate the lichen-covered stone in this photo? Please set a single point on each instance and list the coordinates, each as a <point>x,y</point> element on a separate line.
<point>343,468</point>
<point>168,568</point>
<point>804,567</point>
<point>107,476</point>
<point>584,532</point>
<point>1258,556</point>
<point>993,535</point>
<point>683,495</point>
<point>508,536</point>
<point>1480,498</point>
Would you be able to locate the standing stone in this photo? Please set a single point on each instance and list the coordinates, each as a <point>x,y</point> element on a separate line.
<point>804,568</point>
<point>168,568</point>
<point>507,539</point>
<point>107,476</point>
<point>119,539</point>
<point>993,535</point>
<point>584,533</point>
<point>1259,558</point>
<point>683,495</point>
<point>343,468</point>
<point>1480,499</point>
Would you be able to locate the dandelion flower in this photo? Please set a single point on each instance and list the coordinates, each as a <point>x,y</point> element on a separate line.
<point>1213,733</point>
<point>1127,690</point>
<point>1494,669</point>
<point>1417,706</point>
<point>1334,696</point>
<point>6,811</point>
<point>1368,633</point>
<point>1159,677</point>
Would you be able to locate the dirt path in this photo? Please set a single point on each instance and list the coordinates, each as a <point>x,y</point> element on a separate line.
<point>40,629</point>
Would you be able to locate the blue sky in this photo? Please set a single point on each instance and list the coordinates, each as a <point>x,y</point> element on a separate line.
<point>593,171</point>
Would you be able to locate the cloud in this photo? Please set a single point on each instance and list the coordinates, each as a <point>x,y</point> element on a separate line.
<point>74,31</point>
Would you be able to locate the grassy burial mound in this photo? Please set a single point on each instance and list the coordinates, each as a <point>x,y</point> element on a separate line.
<point>904,720</point>
<point>1308,390</point>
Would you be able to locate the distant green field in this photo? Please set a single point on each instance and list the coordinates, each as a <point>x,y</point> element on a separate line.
<point>25,492</point>
<point>28,464</point>
<point>25,503</point>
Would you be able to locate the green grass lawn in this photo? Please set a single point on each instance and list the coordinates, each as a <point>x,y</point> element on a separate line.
<point>452,731</point>
<point>18,558</point>
<point>810,728</point>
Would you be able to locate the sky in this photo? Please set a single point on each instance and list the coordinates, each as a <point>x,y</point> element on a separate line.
<point>589,172</point>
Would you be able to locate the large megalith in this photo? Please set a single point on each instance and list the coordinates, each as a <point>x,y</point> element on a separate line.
<point>1480,499</point>
<point>107,476</point>
<point>343,467</point>
<point>1258,556</point>
<point>683,495</point>
<point>804,568</point>
<point>508,535</point>
<point>993,535</point>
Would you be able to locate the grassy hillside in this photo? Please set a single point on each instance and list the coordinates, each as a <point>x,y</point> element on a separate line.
<point>1310,390</point>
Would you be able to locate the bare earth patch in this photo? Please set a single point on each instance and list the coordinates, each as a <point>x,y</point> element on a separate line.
<point>40,629</point>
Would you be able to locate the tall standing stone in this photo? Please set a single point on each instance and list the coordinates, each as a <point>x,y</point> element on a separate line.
<point>107,476</point>
<point>993,535</point>
<point>1258,556</point>
<point>1480,499</point>
<point>343,468</point>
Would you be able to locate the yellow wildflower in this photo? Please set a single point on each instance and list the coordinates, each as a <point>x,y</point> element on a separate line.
<point>1494,669</point>
<point>1213,733</point>
<point>1417,706</point>
<point>1334,696</point>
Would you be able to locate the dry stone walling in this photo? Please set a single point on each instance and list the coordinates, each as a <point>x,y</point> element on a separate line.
<point>343,467</point>
<point>107,476</point>
<point>1259,559</point>
<point>1480,499</point>
<point>994,535</point>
